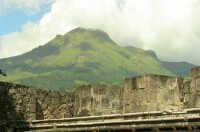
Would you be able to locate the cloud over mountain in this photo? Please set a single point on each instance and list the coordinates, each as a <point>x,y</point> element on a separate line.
<point>171,27</point>
<point>29,6</point>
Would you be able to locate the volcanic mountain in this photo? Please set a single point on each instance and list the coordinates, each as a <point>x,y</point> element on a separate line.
<point>84,56</point>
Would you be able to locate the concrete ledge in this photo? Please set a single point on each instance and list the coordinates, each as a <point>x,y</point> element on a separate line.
<point>186,119</point>
<point>128,115</point>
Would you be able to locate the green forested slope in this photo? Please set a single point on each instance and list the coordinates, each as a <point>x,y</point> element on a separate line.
<point>79,57</point>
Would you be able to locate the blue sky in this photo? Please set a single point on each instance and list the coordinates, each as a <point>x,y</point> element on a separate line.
<point>169,27</point>
<point>13,20</point>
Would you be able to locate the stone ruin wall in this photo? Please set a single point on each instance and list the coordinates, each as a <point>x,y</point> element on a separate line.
<point>28,103</point>
<point>194,98</point>
<point>139,94</point>
<point>99,99</point>
<point>153,93</point>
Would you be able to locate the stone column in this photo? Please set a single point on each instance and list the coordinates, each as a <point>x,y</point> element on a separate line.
<point>195,87</point>
<point>195,72</point>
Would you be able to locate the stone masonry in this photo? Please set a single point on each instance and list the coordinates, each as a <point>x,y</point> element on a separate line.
<point>28,103</point>
<point>139,94</point>
<point>99,99</point>
<point>153,93</point>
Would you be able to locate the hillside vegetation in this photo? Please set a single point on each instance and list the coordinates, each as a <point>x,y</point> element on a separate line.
<point>83,56</point>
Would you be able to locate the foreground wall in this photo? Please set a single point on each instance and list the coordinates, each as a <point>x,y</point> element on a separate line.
<point>194,98</point>
<point>139,94</point>
<point>153,93</point>
<point>99,99</point>
<point>24,102</point>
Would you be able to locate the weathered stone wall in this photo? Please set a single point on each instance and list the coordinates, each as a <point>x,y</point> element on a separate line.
<point>153,93</point>
<point>139,94</point>
<point>24,102</point>
<point>99,99</point>
<point>194,97</point>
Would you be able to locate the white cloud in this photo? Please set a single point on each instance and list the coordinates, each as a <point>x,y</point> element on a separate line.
<point>170,27</point>
<point>33,34</point>
<point>28,6</point>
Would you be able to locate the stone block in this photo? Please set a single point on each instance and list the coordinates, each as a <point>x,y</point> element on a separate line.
<point>17,108</point>
<point>152,107</point>
<point>67,115</point>
<point>57,114</point>
<point>96,103</point>
<point>23,91</point>
<point>105,103</point>
<point>130,84</point>
<point>198,84</point>
<point>197,102</point>
<point>142,108</point>
<point>47,114</point>
<point>195,72</point>
<point>32,91</point>
<point>172,83</point>
<point>13,91</point>
<point>141,82</point>
<point>41,97</point>
<point>26,98</point>
<point>99,89</point>
<point>56,94</point>
<point>62,94</point>
<point>23,108</point>
<point>19,102</point>
<point>85,101</point>
<point>152,95</point>
<point>31,116</point>
<point>47,100</point>
<point>116,104</point>
<point>17,96</point>
<point>31,108</point>
<point>63,106</point>
<point>168,96</point>
<point>55,101</point>
<point>32,99</point>
<point>44,106</point>
<point>50,108</point>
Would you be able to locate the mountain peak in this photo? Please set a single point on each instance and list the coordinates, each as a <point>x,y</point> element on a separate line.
<point>90,33</point>
<point>58,36</point>
<point>151,53</point>
<point>82,30</point>
<point>82,56</point>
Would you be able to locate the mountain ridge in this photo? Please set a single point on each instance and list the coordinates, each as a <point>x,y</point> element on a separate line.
<point>79,57</point>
